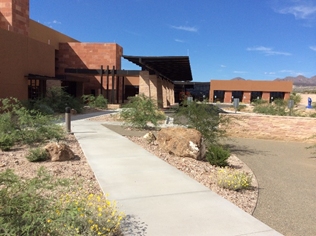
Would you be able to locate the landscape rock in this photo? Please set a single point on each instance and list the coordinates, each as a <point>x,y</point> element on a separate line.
<point>59,152</point>
<point>182,142</point>
<point>149,137</point>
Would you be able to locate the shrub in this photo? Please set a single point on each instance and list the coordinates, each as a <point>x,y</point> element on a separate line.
<point>140,111</point>
<point>98,102</point>
<point>217,155</point>
<point>37,154</point>
<point>278,107</point>
<point>34,207</point>
<point>58,99</point>
<point>233,179</point>
<point>296,98</point>
<point>18,124</point>
<point>203,117</point>
<point>6,142</point>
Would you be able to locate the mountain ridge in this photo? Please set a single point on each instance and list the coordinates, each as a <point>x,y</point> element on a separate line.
<point>299,80</point>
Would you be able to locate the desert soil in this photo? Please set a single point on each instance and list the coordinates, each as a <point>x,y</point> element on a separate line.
<point>78,169</point>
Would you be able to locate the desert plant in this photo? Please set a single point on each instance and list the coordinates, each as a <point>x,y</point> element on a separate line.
<point>36,206</point>
<point>92,101</point>
<point>6,142</point>
<point>140,111</point>
<point>37,154</point>
<point>296,98</point>
<point>58,99</point>
<point>18,124</point>
<point>233,179</point>
<point>217,155</point>
<point>278,107</point>
<point>203,117</point>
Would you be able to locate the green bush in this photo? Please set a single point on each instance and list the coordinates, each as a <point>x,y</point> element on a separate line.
<point>37,206</point>
<point>278,108</point>
<point>6,142</point>
<point>58,99</point>
<point>203,117</point>
<point>37,154</point>
<point>18,124</point>
<point>140,111</point>
<point>296,98</point>
<point>217,155</point>
<point>92,101</point>
<point>233,179</point>
<point>258,102</point>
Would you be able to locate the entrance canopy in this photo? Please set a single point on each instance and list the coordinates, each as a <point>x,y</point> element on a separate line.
<point>174,68</point>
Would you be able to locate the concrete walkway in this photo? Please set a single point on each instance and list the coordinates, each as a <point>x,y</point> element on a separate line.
<point>157,198</point>
<point>286,173</point>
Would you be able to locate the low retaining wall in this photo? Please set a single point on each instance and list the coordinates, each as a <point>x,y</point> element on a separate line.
<point>286,128</point>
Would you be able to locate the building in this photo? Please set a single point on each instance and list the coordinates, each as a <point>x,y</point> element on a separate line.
<point>34,57</point>
<point>249,90</point>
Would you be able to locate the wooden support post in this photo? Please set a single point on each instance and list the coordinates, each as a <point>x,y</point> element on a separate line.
<point>107,83</point>
<point>101,80</point>
<point>113,81</point>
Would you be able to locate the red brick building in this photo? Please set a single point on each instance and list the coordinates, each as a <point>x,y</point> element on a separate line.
<point>34,57</point>
<point>248,90</point>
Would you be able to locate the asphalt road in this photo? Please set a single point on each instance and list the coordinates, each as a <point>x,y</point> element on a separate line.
<point>286,173</point>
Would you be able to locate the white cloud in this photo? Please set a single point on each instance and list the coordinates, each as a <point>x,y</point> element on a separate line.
<point>313,48</point>
<point>223,66</point>
<point>56,22</point>
<point>179,40</point>
<point>268,51</point>
<point>300,12</point>
<point>301,9</point>
<point>185,28</point>
<point>269,73</point>
<point>292,72</point>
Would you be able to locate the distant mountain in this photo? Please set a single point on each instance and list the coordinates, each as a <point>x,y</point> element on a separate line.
<point>300,80</point>
<point>238,78</point>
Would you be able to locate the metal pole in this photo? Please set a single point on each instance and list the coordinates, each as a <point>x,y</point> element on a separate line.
<point>68,119</point>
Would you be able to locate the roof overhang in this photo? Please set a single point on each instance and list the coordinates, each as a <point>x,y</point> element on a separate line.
<point>174,68</point>
<point>40,77</point>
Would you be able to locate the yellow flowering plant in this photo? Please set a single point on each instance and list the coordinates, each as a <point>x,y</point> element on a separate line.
<point>233,179</point>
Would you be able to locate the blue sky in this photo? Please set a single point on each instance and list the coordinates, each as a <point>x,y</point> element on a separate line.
<point>252,39</point>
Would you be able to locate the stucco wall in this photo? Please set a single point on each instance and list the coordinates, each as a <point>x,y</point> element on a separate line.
<point>47,35</point>
<point>20,56</point>
<point>285,128</point>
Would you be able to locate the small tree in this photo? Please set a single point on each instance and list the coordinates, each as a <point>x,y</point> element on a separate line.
<point>203,117</point>
<point>140,111</point>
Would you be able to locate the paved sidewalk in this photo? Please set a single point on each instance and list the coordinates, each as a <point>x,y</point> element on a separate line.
<point>157,198</point>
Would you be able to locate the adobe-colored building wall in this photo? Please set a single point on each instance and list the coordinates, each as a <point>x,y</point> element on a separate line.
<point>90,56</point>
<point>247,86</point>
<point>47,35</point>
<point>14,16</point>
<point>21,56</point>
<point>157,88</point>
<point>130,80</point>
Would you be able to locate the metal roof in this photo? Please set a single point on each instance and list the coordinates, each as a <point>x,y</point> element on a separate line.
<point>174,68</point>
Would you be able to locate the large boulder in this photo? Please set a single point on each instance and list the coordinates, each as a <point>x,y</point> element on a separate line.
<point>182,142</point>
<point>59,152</point>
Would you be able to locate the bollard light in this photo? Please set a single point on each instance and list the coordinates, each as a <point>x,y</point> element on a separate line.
<point>68,119</point>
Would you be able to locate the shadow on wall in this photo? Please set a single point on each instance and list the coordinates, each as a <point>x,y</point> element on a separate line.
<point>78,56</point>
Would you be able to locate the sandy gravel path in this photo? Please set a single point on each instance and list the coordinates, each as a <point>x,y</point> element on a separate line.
<point>286,173</point>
